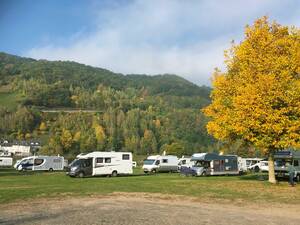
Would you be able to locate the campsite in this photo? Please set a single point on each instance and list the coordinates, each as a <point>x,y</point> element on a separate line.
<point>55,190</point>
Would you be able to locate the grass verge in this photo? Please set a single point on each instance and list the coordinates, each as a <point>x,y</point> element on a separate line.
<point>18,186</point>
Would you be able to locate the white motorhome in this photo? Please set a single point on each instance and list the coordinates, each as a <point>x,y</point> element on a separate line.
<point>261,166</point>
<point>185,162</point>
<point>6,161</point>
<point>246,164</point>
<point>157,163</point>
<point>41,163</point>
<point>101,163</point>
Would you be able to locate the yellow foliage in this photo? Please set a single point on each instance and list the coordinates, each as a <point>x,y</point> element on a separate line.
<point>258,98</point>
<point>43,126</point>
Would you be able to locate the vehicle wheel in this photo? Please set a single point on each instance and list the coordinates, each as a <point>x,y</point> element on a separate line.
<point>81,175</point>
<point>50,170</point>
<point>203,174</point>
<point>256,169</point>
<point>114,174</point>
<point>153,171</point>
<point>23,170</point>
<point>298,178</point>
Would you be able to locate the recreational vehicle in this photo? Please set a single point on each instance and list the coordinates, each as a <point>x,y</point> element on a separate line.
<point>157,163</point>
<point>41,163</point>
<point>246,163</point>
<point>101,163</point>
<point>185,162</point>
<point>261,166</point>
<point>212,164</point>
<point>281,158</point>
<point>6,161</point>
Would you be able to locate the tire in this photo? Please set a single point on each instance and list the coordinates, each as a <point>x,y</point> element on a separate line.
<point>203,174</point>
<point>81,175</point>
<point>51,170</point>
<point>153,171</point>
<point>114,174</point>
<point>256,169</point>
<point>23,170</point>
<point>298,178</point>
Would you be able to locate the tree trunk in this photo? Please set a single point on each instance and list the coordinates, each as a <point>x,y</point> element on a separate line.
<point>272,178</point>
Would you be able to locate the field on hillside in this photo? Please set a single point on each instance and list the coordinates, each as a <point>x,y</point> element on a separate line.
<point>16,186</point>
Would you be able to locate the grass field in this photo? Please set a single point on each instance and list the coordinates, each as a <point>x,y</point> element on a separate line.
<point>16,186</point>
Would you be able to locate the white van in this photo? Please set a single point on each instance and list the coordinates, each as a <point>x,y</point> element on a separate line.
<point>157,163</point>
<point>185,162</point>
<point>6,161</point>
<point>41,163</point>
<point>101,163</point>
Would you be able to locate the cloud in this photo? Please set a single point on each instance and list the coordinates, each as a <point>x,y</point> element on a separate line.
<point>163,36</point>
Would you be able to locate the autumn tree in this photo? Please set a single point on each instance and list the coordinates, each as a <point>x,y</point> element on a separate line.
<point>258,98</point>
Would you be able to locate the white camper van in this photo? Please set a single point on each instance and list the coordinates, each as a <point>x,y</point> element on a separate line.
<point>41,163</point>
<point>185,162</point>
<point>6,161</point>
<point>157,163</point>
<point>101,163</point>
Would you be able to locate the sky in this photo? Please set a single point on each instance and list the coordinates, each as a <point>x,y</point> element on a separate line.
<point>183,37</point>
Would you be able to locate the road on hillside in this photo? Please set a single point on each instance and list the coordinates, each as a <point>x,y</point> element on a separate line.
<point>140,210</point>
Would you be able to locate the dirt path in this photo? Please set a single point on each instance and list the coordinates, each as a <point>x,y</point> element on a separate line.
<point>137,209</point>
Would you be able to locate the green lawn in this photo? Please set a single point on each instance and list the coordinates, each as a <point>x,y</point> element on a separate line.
<point>15,186</point>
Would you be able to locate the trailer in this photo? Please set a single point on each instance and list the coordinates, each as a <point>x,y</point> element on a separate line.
<point>158,163</point>
<point>210,164</point>
<point>41,163</point>
<point>101,163</point>
<point>6,161</point>
<point>281,158</point>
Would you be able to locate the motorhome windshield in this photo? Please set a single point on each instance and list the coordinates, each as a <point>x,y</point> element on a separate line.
<point>202,164</point>
<point>149,161</point>
<point>281,162</point>
<point>76,162</point>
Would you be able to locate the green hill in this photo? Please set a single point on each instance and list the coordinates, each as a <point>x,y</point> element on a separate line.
<point>139,113</point>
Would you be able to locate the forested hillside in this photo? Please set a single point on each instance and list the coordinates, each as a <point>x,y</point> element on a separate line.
<point>138,113</point>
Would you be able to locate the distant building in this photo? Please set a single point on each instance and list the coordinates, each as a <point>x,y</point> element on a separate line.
<point>19,148</point>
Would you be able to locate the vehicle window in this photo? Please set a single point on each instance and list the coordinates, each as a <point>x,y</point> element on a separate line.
<point>157,162</point>
<point>183,162</point>
<point>164,161</point>
<point>99,160</point>
<point>148,161</point>
<point>38,162</point>
<point>1,160</point>
<point>296,163</point>
<point>125,156</point>
<point>107,160</point>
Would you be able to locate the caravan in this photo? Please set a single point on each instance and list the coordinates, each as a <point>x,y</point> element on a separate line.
<point>101,163</point>
<point>157,163</point>
<point>6,161</point>
<point>41,163</point>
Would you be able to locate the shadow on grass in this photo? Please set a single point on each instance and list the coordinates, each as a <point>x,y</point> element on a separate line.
<point>255,176</point>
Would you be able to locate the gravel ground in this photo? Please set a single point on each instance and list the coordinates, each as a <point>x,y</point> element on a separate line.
<point>131,209</point>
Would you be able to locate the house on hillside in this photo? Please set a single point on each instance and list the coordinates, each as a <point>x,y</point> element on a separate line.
<point>19,148</point>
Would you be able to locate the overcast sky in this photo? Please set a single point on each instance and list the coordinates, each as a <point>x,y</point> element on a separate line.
<point>184,37</point>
